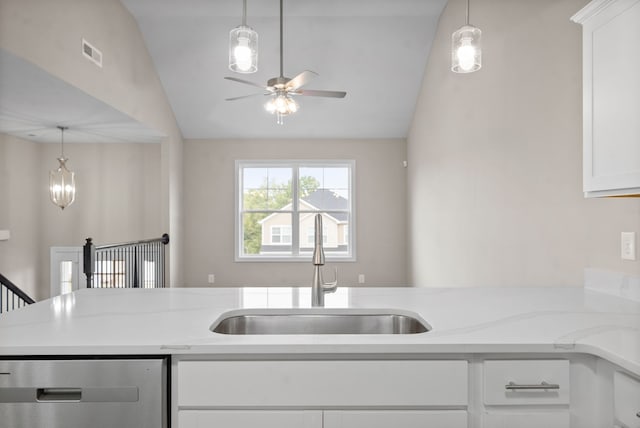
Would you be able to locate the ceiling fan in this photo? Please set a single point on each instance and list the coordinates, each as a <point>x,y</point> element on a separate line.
<point>282,89</point>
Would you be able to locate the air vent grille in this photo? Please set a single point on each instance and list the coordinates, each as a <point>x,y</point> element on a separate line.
<point>92,53</point>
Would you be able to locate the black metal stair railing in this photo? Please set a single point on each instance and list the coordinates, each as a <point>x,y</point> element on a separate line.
<point>11,296</point>
<point>137,264</point>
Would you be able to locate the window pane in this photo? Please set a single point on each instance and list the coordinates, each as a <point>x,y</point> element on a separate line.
<point>252,232</point>
<point>66,277</point>
<point>266,188</point>
<point>331,179</point>
<point>276,234</point>
<point>333,234</point>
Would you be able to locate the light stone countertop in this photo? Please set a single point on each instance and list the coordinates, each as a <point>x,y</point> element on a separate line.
<point>463,320</point>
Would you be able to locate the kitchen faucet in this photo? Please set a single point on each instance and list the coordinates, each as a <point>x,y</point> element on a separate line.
<point>318,288</point>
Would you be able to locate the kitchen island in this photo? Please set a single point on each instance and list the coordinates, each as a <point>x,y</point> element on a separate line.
<point>479,337</point>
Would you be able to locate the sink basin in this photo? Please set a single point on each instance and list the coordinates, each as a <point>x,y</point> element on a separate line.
<point>319,321</point>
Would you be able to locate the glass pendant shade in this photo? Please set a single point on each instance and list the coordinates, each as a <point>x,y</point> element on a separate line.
<point>281,105</point>
<point>62,183</point>
<point>466,50</point>
<point>243,50</point>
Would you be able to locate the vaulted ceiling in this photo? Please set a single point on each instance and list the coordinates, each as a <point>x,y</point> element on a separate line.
<point>375,50</point>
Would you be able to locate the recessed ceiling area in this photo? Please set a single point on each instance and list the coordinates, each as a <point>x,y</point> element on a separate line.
<point>33,103</point>
<point>375,50</point>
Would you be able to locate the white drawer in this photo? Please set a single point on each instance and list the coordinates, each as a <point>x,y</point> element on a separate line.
<point>561,419</point>
<point>396,418</point>
<point>249,419</point>
<point>520,382</point>
<point>321,384</point>
<point>626,392</point>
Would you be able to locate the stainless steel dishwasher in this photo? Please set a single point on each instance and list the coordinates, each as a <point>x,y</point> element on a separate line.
<point>96,393</point>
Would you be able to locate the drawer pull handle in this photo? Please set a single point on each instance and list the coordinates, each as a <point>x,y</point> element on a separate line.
<point>512,386</point>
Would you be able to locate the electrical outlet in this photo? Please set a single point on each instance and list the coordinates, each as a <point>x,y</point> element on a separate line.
<point>361,278</point>
<point>212,278</point>
<point>628,245</point>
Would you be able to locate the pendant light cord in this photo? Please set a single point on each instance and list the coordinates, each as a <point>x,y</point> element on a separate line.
<point>244,13</point>
<point>62,129</point>
<point>467,12</point>
<point>281,50</point>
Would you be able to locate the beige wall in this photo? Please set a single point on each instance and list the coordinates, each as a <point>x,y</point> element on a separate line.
<point>49,33</point>
<point>209,207</point>
<point>495,158</point>
<point>117,199</point>
<point>19,213</point>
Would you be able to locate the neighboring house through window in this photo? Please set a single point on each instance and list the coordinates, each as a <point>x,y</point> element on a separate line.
<point>277,202</point>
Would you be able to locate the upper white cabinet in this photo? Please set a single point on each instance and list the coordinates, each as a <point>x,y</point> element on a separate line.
<point>611,97</point>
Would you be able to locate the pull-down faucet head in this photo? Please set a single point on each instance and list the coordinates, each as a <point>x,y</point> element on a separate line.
<point>318,251</point>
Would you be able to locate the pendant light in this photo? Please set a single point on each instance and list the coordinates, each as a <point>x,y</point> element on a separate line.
<point>62,184</point>
<point>466,51</point>
<point>243,46</point>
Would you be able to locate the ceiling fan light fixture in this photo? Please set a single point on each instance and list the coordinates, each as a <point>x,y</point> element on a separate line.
<point>281,105</point>
<point>243,46</point>
<point>62,183</point>
<point>466,49</point>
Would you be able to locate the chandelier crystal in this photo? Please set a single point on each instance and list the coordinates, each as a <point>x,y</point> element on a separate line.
<point>62,184</point>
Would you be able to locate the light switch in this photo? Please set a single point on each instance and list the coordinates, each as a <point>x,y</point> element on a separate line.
<point>628,245</point>
<point>212,278</point>
<point>361,278</point>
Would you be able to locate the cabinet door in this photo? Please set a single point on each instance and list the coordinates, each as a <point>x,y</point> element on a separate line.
<point>249,419</point>
<point>396,418</point>
<point>527,420</point>
<point>611,103</point>
<point>627,400</point>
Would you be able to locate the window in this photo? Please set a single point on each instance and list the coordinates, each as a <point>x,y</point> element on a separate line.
<point>277,202</point>
<point>280,234</point>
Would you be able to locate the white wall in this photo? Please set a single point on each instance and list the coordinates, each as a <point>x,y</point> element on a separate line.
<point>209,207</point>
<point>49,33</point>
<point>495,158</point>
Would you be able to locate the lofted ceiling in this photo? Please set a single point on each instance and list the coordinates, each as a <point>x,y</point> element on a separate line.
<point>375,50</point>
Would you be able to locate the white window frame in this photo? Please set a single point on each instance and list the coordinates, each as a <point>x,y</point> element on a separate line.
<point>295,164</point>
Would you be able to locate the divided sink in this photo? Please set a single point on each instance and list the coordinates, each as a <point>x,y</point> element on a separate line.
<point>319,321</point>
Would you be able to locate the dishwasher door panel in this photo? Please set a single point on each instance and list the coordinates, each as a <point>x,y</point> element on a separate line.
<point>100,393</point>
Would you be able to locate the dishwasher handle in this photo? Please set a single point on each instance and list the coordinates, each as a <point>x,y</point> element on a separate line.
<point>54,395</point>
<point>118,394</point>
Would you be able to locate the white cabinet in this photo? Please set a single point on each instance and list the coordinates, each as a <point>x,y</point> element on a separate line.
<point>626,395</point>
<point>526,393</point>
<point>611,97</point>
<point>317,394</point>
<point>399,418</point>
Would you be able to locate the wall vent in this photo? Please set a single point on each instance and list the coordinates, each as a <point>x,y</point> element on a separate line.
<point>91,53</point>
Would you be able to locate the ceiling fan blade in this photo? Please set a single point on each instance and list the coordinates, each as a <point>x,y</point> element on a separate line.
<point>319,93</point>
<point>246,96</point>
<point>300,80</point>
<point>246,82</point>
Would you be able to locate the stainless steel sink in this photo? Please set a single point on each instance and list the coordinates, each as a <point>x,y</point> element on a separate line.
<point>319,321</point>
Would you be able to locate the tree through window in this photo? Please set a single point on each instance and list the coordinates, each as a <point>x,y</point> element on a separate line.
<point>277,203</point>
